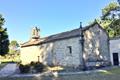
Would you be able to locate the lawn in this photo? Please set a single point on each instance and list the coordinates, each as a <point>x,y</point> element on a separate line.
<point>113,74</point>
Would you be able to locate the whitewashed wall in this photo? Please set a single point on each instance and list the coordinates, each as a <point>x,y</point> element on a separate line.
<point>114,48</point>
<point>29,54</point>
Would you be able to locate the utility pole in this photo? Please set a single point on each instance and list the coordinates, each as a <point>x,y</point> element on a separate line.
<point>82,46</point>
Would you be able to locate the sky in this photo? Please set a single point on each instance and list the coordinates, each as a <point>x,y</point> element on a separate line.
<point>51,16</point>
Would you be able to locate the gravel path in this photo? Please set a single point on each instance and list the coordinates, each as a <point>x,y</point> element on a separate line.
<point>9,69</point>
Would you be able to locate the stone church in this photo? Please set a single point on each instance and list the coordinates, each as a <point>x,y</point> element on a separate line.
<point>85,45</point>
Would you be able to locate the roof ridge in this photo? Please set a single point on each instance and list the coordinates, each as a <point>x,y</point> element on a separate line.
<point>62,35</point>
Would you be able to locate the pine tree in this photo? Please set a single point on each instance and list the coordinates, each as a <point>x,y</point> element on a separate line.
<point>110,19</point>
<point>4,41</point>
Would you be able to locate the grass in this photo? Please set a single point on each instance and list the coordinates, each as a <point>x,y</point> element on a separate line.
<point>115,71</point>
<point>113,74</point>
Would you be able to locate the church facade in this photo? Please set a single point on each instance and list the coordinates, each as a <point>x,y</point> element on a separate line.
<point>66,49</point>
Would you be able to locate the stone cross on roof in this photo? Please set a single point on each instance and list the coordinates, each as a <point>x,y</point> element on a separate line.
<point>35,32</point>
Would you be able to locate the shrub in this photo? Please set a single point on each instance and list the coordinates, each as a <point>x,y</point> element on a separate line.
<point>33,67</point>
<point>32,63</point>
<point>24,68</point>
<point>39,67</point>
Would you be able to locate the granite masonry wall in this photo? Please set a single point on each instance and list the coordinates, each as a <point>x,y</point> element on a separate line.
<point>67,52</point>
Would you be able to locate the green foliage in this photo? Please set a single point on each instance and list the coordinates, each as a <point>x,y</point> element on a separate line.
<point>14,47</point>
<point>10,58</point>
<point>4,42</point>
<point>2,20</point>
<point>106,25</point>
<point>12,51</point>
<point>112,6</point>
<point>33,67</point>
<point>14,43</point>
<point>115,25</point>
<point>24,68</point>
<point>39,67</point>
<point>108,20</point>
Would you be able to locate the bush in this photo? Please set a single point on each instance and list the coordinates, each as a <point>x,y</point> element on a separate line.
<point>33,67</point>
<point>24,68</point>
<point>32,63</point>
<point>39,67</point>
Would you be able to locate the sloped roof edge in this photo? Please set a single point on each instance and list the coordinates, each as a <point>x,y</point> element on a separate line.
<point>60,36</point>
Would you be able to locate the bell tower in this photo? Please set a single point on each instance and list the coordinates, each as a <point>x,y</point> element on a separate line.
<point>35,33</point>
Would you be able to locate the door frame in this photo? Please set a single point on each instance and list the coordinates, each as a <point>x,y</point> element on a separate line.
<point>113,59</point>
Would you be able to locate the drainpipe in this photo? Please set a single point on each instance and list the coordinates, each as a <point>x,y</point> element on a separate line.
<point>82,46</point>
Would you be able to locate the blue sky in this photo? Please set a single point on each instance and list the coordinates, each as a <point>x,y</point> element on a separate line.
<point>51,16</point>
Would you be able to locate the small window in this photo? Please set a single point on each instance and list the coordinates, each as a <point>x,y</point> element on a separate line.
<point>70,49</point>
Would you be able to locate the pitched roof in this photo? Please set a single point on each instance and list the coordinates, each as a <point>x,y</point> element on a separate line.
<point>59,36</point>
<point>63,35</point>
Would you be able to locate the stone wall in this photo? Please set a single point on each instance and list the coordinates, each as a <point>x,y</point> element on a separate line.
<point>54,53</point>
<point>96,45</point>
<point>58,52</point>
<point>62,55</point>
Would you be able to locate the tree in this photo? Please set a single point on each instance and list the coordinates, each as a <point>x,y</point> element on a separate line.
<point>13,47</point>
<point>115,25</point>
<point>4,41</point>
<point>107,12</point>
<point>14,43</point>
<point>110,19</point>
